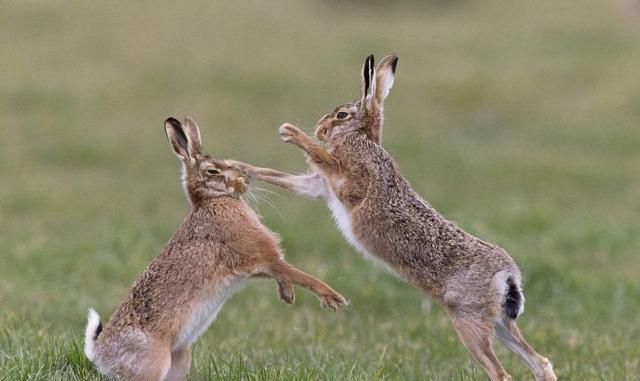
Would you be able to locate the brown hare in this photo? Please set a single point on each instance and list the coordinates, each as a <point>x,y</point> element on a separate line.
<point>218,246</point>
<point>476,282</point>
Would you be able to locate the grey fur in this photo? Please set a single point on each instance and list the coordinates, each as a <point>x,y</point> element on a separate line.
<point>381,215</point>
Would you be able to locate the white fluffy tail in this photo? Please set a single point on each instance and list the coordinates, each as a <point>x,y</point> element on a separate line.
<point>94,327</point>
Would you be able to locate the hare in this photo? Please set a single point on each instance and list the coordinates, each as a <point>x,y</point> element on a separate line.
<point>378,212</point>
<point>216,249</point>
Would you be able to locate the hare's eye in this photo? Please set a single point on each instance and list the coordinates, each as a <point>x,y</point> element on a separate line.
<point>342,115</point>
<point>213,171</point>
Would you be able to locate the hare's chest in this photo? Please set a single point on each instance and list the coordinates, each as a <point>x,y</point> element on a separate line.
<point>205,310</point>
<point>342,217</point>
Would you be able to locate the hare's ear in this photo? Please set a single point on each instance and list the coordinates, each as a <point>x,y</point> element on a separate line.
<point>385,74</point>
<point>368,83</point>
<point>177,138</point>
<point>192,132</point>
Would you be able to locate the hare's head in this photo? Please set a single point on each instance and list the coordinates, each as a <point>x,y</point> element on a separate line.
<point>364,115</point>
<point>203,176</point>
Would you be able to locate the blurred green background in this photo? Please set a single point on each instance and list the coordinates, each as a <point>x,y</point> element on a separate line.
<point>518,120</point>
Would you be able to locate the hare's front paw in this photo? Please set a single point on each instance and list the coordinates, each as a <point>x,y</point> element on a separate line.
<point>290,133</point>
<point>333,301</point>
<point>287,292</point>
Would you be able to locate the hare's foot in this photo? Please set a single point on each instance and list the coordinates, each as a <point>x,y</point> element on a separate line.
<point>291,134</point>
<point>284,273</point>
<point>315,152</point>
<point>547,371</point>
<point>286,292</point>
<point>333,300</point>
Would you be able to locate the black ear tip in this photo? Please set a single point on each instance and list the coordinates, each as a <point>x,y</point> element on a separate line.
<point>173,122</point>
<point>370,58</point>
<point>394,64</point>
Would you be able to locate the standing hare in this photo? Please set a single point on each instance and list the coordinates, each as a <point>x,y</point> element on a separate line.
<point>217,248</point>
<point>378,212</point>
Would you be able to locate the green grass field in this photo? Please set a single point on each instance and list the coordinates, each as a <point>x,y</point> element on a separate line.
<point>518,120</point>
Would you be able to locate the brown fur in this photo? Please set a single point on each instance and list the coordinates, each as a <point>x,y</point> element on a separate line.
<point>219,242</point>
<point>389,220</point>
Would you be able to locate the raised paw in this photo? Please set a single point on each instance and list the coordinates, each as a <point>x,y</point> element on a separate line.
<point>333,301</point>
<point>290,133</point>
<point>547,371</point>
<point>286,292</point>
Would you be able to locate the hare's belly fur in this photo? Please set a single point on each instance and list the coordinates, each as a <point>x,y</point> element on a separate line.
<point>206,310</point>
<point>342,216</point>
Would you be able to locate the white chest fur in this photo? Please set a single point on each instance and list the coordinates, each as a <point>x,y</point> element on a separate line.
<point>342,216</point>
<point>205,311</point>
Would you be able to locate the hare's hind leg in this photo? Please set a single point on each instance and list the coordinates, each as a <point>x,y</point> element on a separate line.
<point>180,365</point>
<point>133,356</point>
<point>151,365</point>
<point>508,332</point>
<point>284,273</point>
<point>476,334</point>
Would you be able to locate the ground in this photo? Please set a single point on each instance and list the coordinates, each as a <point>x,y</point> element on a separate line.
<point>519,121</point>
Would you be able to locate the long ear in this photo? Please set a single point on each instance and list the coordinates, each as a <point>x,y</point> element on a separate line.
<point>177,138</point>
<point>192,132</point>
<point>367,83</point>
<point>385,74</point>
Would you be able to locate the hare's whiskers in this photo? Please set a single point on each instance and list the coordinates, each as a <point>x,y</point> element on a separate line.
<point>269,202</point>
<point>270,192</point>
<point>249,200</point>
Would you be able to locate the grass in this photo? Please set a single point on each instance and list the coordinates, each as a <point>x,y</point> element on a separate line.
<point>517,120</point>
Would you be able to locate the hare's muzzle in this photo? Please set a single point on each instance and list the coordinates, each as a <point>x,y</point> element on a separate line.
<point>240,184</point>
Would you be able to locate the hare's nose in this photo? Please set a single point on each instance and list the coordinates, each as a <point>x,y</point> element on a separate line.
<point>240,184</point>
